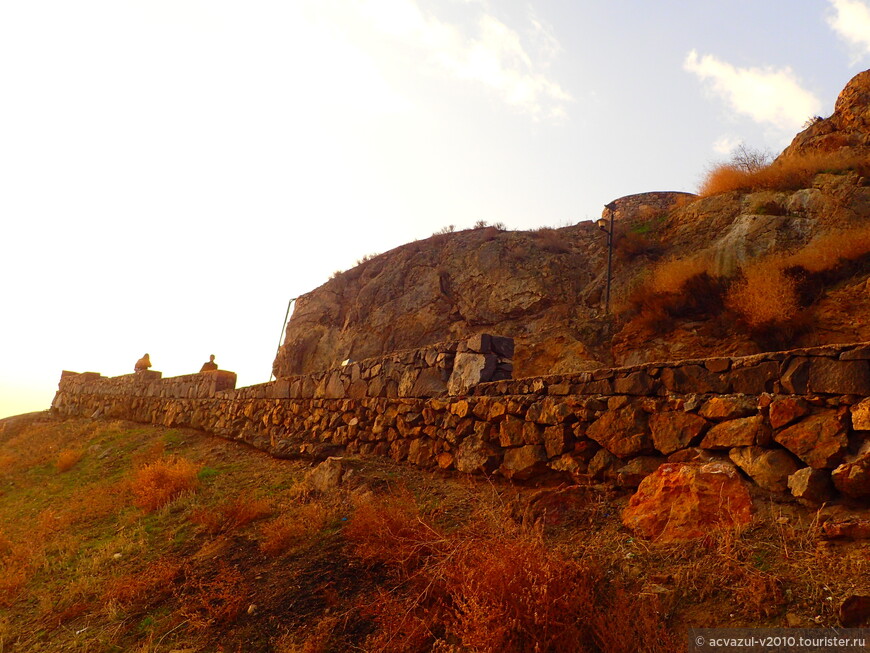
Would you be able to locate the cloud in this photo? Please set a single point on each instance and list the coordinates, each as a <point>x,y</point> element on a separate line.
<point>485,51</point>
<point>851,22</point>
<point>767,95</point>
<point>725,144</point>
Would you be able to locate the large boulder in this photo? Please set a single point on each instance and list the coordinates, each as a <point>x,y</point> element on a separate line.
<point>686,501</point>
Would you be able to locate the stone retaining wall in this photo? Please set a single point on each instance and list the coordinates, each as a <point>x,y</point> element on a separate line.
<point>796,421</point>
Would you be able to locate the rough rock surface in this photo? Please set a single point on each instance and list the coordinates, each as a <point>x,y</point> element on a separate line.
<point>848,126</point>
<point>769,468</point>
<point>685,501</point>
<point>819,440</point>
<point>811,485</point>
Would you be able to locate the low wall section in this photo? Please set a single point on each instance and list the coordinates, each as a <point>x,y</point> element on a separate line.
<point>795,421</point>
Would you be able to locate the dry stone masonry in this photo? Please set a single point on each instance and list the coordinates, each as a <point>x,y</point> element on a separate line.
<point>793,422</point>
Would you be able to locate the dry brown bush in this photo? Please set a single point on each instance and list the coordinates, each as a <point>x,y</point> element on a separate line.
<point>493,586</point>
<point>158,483</point>
<point>67,459</point>
<point>215,600</point>
<point>232,514</point>
<point>300,522</point>
<point>671,275</point>
<point>392,531</point>
<point>764,295</point>
<point>828,251</point>
<point>148,584</point>
<point>16,566</point>
<point>792,173</point>
<point>550,240</point>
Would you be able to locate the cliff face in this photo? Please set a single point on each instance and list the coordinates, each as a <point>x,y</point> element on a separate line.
<point>848,127</point>
<point>545,288</point>
<point>534,286</point>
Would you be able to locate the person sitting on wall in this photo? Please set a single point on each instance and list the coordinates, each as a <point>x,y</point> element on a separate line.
<point>210,366</point>
<point>142,364</point>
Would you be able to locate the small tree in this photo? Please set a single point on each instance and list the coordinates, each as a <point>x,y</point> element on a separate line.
<point>748,159</point>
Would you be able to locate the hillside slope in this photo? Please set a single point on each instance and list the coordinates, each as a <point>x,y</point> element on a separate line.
<point>97,554</point>
<point>545,288</point>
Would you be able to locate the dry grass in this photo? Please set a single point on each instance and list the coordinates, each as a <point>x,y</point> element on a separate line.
<point>670,276</point>
<point>301,522</point>
<point>232,515</point>
<point>792,173</point>
<point>764,295</point>
<point>67,459</point>
<point>218,599</point>
<point>17,562</point>
<point>493,585</point>
<point>830,250</point>
<point>149,584</point>
<point>158,483</point>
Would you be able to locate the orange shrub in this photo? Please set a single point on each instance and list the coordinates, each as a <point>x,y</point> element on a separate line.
<point>670,276</point>
<point>67,459</point>
<point>150,583</point>
<point>392,530</point>
<point>160,482</point>
<point>764,295</point>
<point>791,173</point>
<point>216,600</point>
<point>828,251</point>
<point>233,514</point>
<point>301,522</point>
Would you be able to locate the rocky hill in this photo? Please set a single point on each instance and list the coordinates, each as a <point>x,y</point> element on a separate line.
<point>546,287</point>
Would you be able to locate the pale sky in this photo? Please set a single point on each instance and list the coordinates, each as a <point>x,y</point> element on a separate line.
<point>173,171</point>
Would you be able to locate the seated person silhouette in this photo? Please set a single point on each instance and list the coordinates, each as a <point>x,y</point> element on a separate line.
<point>142,364</point>
<point>210,366</point>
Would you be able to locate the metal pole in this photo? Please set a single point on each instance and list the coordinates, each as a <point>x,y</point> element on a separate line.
<point>283,326</point>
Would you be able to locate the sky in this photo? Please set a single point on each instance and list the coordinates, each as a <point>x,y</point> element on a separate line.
<point>172,172</point>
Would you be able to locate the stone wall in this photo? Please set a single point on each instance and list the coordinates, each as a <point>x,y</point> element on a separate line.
<point>796,421</point>
<point>645,204</point>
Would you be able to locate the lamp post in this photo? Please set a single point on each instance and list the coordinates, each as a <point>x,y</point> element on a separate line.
<point>607,227</point>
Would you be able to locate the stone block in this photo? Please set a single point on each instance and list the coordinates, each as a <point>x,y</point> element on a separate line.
<point>768,468</point>
<point>557,440</point>
<point>794,375</point>
<point>429,384</point>
<point>675,430</point>
<point>756,379</point>
<point>470,369</point>
<point>861,415</point>
<point>728,407</point>
<point>743,432</point>
<point>819,440</point>
<point>479,344</point>
<point>840,377</point>
<point>853,478</point>
<point>687,379</point>
<point>785,410</point>
<point>811,485</point>
<point>522,463</point>
<point>503,346</point>
<point>622,432</point>
<point>477,455</point>
<point>637,383</point>
<point>637,469</point>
